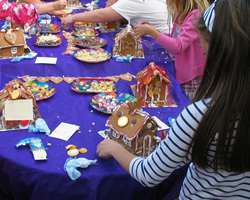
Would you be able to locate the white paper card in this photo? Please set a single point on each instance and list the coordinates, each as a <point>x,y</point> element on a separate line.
<point>46,60</point>
<point>162,125</point>
<point>64,131</point>
<point>19,109</point>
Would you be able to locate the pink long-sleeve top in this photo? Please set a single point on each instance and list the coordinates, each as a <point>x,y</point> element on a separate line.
<point>23,14</point>
<point>189,57</point>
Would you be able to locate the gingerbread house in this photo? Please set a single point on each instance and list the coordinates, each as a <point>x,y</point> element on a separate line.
<point>133,128</point>
<point>71,4</point>
<point>109,26</point>
<point>15,90</point>
<point>153,85</point>
<point>12,43</point>
<point>126,44</point>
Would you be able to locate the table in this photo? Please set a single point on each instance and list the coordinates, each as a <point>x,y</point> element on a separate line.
<point>21,177</point>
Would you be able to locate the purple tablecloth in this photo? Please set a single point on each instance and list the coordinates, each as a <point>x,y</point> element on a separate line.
<point>21,177</point>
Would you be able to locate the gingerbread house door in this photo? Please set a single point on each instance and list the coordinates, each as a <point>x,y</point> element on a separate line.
<point>146,145</point>
<point>128,46</point>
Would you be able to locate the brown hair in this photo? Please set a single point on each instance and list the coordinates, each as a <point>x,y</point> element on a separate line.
<point>226,80</point>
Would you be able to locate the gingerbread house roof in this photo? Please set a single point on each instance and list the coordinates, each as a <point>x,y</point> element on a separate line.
<point>18,39</point>
<point>150,72</point>
<point>15,90</point>
<point>125,32</point>
<point>136,120</point>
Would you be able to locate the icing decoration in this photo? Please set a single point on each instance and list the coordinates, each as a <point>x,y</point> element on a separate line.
<point>10,37</point>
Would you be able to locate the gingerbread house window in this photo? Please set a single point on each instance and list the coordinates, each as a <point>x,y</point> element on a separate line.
<point>116,134</point>
<point>13,50</point>
<point>127,141</point>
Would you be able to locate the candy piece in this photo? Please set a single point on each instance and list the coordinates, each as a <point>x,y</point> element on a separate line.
<point>83,150</point>
<point>71,146</point>
<point>122,121</point>
<point>73,152</point>
<point>15,94</point>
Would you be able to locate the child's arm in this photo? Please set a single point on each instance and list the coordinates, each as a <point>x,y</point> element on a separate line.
<point>48,7</point>
<point>94,16</point>
<point>144,28</point>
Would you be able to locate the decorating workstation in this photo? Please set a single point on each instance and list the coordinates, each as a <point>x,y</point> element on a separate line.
<point>66,88</point>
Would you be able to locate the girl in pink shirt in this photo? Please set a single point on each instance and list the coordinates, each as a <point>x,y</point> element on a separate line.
<point>27,14</point>
<point>183,44</point>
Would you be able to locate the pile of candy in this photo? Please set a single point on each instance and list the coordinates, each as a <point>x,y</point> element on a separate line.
<point>82,85</point>
<point>48,40</point>
<point>92,55</point>
<point>40,90</point>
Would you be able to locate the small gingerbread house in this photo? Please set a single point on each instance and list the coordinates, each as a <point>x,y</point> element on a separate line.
<point>15,90</point>
<point>109,26</point>
<point>153,85</point>
<point>133,128</point>
<point>12,43</point>
<point>126,44</point>
<point>71,4</point>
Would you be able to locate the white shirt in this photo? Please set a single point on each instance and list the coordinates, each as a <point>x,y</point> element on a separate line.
<point>136,11</point>
<point>171,154</point>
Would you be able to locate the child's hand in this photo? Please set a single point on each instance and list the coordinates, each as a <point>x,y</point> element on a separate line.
<point>142,29</point>
<point>60,4</point>
<point>67,20</point>
<point>105,148</point>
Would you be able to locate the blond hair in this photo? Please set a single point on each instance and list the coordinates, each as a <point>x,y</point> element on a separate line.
<point>178,10</point>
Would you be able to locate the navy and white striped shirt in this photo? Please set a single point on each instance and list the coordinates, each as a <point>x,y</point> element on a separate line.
<point>171,154</point>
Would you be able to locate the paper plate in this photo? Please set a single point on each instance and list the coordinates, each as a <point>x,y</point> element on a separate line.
<point>93,85</point>
<point>84,31</point>
<point>41,90</point>
<point>89,41</point>
<point>108,101</point>
<point>48,28</point>
<point>92,55</point>
<point>51,44</point>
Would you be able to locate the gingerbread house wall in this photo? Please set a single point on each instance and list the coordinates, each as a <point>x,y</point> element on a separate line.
<point>155,93</point>
<point>12,51</point>
<point>142,145</point>
<point>130,48</point>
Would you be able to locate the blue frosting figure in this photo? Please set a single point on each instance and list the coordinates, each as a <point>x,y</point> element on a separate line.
<point>71,165</point>
<point>40,126</point>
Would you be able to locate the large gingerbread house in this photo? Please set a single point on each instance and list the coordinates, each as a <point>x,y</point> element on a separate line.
<point>134,129</point>
<point>126,44</point>
<point>12,43</point>
<point>153,85</point>
<point>15,90</point>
